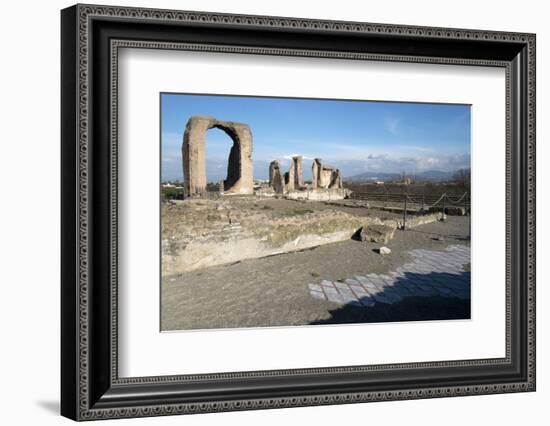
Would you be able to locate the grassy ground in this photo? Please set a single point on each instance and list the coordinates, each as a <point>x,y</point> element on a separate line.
<point>273,291</point>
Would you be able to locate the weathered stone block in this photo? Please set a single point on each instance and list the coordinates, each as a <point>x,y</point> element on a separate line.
<point>455,211</point>
<point>449,210</point>
<point>384,250</point>
<point>376,233</point>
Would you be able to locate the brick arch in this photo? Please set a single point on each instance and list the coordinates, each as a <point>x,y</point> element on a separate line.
<point>239,164</point>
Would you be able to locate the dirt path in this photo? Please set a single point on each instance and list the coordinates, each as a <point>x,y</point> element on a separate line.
<point>273,291</point>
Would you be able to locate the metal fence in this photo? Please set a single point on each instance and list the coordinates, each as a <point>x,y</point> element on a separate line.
<point>417,204</point>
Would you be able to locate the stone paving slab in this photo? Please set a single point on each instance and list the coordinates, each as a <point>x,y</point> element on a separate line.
<point>317,295</point>
<point>431,273</point>
<point>336,298</point>
<point>315,287</point>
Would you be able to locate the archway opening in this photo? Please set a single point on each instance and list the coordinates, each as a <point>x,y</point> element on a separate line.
<point>223,156</point>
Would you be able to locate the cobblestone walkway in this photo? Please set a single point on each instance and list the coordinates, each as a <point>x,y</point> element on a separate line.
<point>431,273</point>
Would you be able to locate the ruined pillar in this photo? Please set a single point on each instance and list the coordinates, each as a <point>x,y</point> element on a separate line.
<point>315,171</point>
<point>276,178</point>
<point>239,168</point>
<point>290,178</point>
<point>324,176</point>
<point>336,179</point>
<point>193,151</point>
<point>339,183</point>
<point>272,166</point>
<point>298,172</point>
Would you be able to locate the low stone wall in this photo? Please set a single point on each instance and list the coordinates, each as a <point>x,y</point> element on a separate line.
<point>418,220</point>
<point>319,194</point>
<point>202,233</point>
<point>400,210</point>
<point>449,210</point>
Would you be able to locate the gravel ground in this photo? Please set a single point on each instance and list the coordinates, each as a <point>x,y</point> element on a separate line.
<point>273,291</point>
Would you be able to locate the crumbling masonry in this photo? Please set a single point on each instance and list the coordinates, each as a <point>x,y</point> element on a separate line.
<point>239,167</point>
<point>294,179</point>
<point>276,178</point>
<point>324,176</point>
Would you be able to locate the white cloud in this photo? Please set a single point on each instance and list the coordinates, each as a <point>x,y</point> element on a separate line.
<point>289,156</point>
<point>395,164</point>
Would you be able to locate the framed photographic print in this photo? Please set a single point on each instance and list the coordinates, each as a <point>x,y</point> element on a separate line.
<point>263,212</point>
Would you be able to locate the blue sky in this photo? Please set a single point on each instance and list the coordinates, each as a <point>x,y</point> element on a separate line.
<point>355,136</point>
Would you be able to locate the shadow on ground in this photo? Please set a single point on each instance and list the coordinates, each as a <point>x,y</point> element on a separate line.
<point>52,407</point>
<point>420,298</point>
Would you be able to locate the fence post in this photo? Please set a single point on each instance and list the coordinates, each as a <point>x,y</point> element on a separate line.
<point>423,213</point>
<point>443,212</point>
<point>405,215</point>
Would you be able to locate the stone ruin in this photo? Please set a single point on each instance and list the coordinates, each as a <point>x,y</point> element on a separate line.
<point>276,178</point>
<point>294,178</point>
<point>326,183</point>
<point>239,168</point>
<point>325,176</point>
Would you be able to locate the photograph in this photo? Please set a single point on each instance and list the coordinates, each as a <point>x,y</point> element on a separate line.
<point>273,208</point>
<point>279,211</point>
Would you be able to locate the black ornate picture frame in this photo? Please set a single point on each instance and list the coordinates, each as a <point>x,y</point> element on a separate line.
<point>91,36</point>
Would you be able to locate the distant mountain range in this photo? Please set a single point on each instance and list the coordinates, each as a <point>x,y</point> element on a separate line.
<point>431,175</point>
